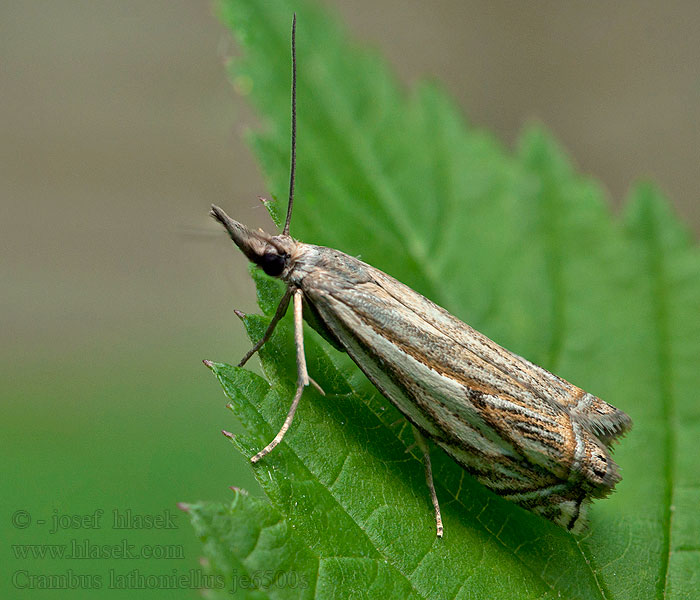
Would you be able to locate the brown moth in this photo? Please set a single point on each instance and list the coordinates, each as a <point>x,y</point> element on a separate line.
<point>527,435</point>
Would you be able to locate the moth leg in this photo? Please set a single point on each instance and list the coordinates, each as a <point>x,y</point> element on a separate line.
<point>279,313</point>
<point>423,445</point>
<point>318,387</point>
<point>302,375</point>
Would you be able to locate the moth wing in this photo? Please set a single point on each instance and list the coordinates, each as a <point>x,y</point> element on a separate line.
<point>452,382</point>
<point>604,420</point>
<point>601,418</point>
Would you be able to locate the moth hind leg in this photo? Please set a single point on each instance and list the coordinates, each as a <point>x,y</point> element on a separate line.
<point>423,445</point>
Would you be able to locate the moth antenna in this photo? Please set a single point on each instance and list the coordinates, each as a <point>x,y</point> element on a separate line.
<point>293,166</point>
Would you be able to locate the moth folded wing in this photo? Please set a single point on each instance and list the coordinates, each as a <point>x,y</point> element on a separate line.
<point>593,466</point>
<point>563,443</point>
<point>395,351</point>
<point>605,421</point>
<point>568,508</point>
<point>443,386</point>
<point>514,440</point>
<point>569,465</point>
<point>528,485</point>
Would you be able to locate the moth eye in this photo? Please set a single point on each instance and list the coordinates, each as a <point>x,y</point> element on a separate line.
<point>273,264</point>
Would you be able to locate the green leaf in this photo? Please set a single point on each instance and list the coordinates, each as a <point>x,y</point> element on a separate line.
<point>519,246</point>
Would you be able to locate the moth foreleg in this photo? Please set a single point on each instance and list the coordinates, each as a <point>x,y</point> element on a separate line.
<point>279,313</point>
<point>302,374</point>
<point>423,445</point>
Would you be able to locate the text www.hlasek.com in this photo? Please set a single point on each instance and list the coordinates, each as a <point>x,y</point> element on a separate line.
<point>85,549</point>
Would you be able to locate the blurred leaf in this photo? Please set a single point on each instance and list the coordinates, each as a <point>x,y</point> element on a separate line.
<point>519,246</point>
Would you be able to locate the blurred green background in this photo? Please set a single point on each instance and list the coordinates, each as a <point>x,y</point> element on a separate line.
<point>119,128</point>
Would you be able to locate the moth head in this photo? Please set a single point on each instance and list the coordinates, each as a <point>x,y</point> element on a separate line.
<point>271,253</point>
<point>275,254</point>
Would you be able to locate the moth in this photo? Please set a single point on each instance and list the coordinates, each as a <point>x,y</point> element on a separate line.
<point>527,435</point>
